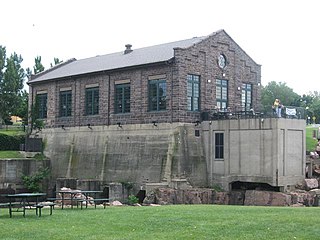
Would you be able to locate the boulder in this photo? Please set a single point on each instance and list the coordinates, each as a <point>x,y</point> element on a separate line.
<point>221,198</point>
<point>302,197</point>
<point>165,196</point>
<point>311,183</point>
<point>266,198</point>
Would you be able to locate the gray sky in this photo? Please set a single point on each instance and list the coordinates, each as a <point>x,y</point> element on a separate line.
<point>281,35</point>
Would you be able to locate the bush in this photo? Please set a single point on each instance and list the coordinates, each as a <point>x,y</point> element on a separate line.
<point>33,182</point>
<point>11,142</point>
<point>132,200</point>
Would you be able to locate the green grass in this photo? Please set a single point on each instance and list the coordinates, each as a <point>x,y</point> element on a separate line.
<point>10,154</point>
<point>311,143</point>
<point>165,222</point>
<point>12,131</point>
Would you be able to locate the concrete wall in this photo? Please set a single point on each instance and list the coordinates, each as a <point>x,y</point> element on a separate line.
<point>131,153</point>
<point>257,150</point>
<point>268,151</point>
<point>11,171</point>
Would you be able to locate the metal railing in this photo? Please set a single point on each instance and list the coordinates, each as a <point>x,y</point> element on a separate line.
<point>290,112</point>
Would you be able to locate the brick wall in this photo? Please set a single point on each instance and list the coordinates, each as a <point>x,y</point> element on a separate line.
<point>200,59</point>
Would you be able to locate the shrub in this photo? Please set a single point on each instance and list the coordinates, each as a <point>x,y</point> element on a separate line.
<point>33,182</point>
<point>132,200</point>
<point>11,142</point>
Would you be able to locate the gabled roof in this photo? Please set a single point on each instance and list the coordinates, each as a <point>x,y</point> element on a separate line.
<point>141,56</point>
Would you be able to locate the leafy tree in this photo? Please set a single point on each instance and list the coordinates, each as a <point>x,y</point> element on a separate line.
<point>38,67</point>
<point>281,91</point>
<point>2,65</point>
<point>11,85</point>
<point>56,61</point>
<point>311,102</point>
<point>22,106</point>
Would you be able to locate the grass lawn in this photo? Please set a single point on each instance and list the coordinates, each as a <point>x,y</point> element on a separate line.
<point>311,143</point>
<point>165,222</point>
<point>12,131</point>
<point>10,154</point>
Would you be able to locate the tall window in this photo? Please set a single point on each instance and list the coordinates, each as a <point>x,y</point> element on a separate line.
<point>42,104</point>
<point>246,97</point>
<point>65,103</point>
<point>222,93</point>
<point>92,101</point>
<point>193,92</point>
<point>157,95</point>
<point>122,98</point>
<point>219,146</point>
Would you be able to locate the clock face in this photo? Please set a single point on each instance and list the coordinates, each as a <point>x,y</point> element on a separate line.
<point>222,62</point>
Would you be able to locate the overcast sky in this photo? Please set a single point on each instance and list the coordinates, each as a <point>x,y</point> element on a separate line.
<point>281,35</point>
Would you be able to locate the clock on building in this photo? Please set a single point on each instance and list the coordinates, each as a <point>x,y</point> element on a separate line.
<point>222,62</point>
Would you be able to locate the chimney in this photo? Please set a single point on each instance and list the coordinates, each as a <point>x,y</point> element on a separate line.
<point>128,49</point>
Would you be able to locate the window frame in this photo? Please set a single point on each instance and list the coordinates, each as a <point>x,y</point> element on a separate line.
<point>42,105</point>
<point>192,81</point>
<point>120,90</point>
<point>92,102</point>
<point>219,146</point>
<point>246,88</point>
<point>65,99</point>
<point>158,107</point>
<point>222,102</point>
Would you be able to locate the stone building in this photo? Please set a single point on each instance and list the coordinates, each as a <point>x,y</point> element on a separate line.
<point>143,116</point>
<point>172,82</point>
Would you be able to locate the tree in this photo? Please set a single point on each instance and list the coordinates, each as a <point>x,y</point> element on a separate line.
<point>11,85</point>
<point>38,67</point>
<point>56,61</point>
<point>311,102</point>
<point>2,66</point>
<point>281,91</point>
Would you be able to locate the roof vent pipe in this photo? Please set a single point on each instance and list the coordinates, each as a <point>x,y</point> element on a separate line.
<point>128,49</point>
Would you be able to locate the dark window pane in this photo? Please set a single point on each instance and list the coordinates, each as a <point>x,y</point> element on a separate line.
<point>157,95</point>
<point>222,93</point>
<point>92,101</point>
<point>41,103</point>
<point>219,145</point>
<point>65,103</point>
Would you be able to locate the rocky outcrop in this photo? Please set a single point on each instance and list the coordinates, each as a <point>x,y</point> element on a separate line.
<point>266,198</point>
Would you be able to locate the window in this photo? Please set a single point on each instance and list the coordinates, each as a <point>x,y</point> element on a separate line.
<point>246,96</point>
<point>157,95</point>
<point>219,147</point>
<point>122,98</point>
<point>222,93</point>
<point>65,103</point>
<point>92,101</point>
<point>193,92</point>
<point>41,103</point>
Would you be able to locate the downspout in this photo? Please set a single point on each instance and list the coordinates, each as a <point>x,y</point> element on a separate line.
<point>109,92</point>
<point>171,67</point>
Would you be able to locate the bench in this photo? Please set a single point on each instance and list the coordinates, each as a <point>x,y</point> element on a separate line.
<point>41,205</point>
<point>95,201</point>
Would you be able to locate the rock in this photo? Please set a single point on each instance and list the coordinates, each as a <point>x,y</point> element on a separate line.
<point>311,183</point>
<point>116,203</point>
<point>266,198</point>
<point>150,198</point>
<point>165,196</point>
<point>221,198</point>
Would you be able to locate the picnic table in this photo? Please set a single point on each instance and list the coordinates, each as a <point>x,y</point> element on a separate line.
<point>79,196</point>
<point>21,202</point>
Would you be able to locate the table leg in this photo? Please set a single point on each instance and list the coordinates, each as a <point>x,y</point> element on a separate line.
<point>10,209</point>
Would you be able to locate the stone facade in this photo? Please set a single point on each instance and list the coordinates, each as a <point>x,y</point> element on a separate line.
<point>199,59</point>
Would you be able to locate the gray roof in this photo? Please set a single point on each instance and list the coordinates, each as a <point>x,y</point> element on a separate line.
<point>141,56</point>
